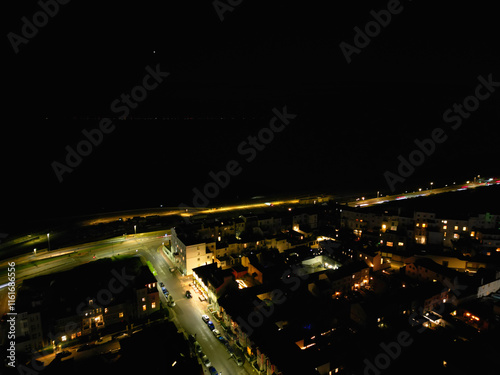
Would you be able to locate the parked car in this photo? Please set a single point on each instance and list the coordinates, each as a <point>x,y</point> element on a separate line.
<point>222,340</point>
<point>210,325</point>
<point>161,283</point>
<point>188,294</point>
<point>121,336</point>
<point>205,318</point>
<point>192,339</point>
<point>212,370</point>
<point>205,360</point>
<point>216,332</point>
<point>239,360</point>
<point>197,347</point>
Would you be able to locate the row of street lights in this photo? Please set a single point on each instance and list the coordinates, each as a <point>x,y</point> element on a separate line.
<point>48,239</point>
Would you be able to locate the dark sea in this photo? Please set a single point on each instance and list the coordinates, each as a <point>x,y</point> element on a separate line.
<point>341,142</point>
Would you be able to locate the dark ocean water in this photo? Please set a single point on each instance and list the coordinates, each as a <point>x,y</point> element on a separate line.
<point>341,141</point>
<point>148,163</point>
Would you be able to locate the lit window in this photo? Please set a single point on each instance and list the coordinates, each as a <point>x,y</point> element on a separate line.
<point>400,244</point>
<point>456,227</point>
<point>445,226</point>
<point>455,235</point>
<point>390,244</point>
<point>73,336</point>
<point>64,338</point>
<point>143,299</point>
<point>120,315</point>
<point>464,229</point>
<point>424,225</point>
<point>105,310</point>
<point>445,221</point>
<point>153,305</point>
<point>418,224</point>
<point>143,307</point>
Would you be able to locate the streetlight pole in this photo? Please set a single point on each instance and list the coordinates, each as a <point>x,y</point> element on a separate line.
<point>432,183</point>
<point>48,239</point>
<point>135,230</point>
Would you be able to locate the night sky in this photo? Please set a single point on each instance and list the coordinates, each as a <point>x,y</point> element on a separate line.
<point>353,119</point>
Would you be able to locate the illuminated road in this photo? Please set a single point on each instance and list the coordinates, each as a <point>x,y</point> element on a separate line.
<point>42,263</point>
<point>187,312</point>
<point>389,198</point>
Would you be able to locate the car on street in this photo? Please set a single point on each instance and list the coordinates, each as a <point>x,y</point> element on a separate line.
<point>188,294</point>
<point>212,370</point>
<point>216,332</point>
<point>210,325</point>
<point>197,347</point>
<point>121,336</point>
<point>239,360</point>
<point>205,318</point>
<point>205,360</point>
<point>222,340</point>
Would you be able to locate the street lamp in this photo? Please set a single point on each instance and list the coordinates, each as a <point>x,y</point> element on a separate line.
<point>48,239</point>
<point>34,250</point>
<point>135,230</point>
<point>432,183</point>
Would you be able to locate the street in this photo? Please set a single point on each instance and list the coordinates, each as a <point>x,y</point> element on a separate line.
<point>187,316</point>
<point>186,313</point>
